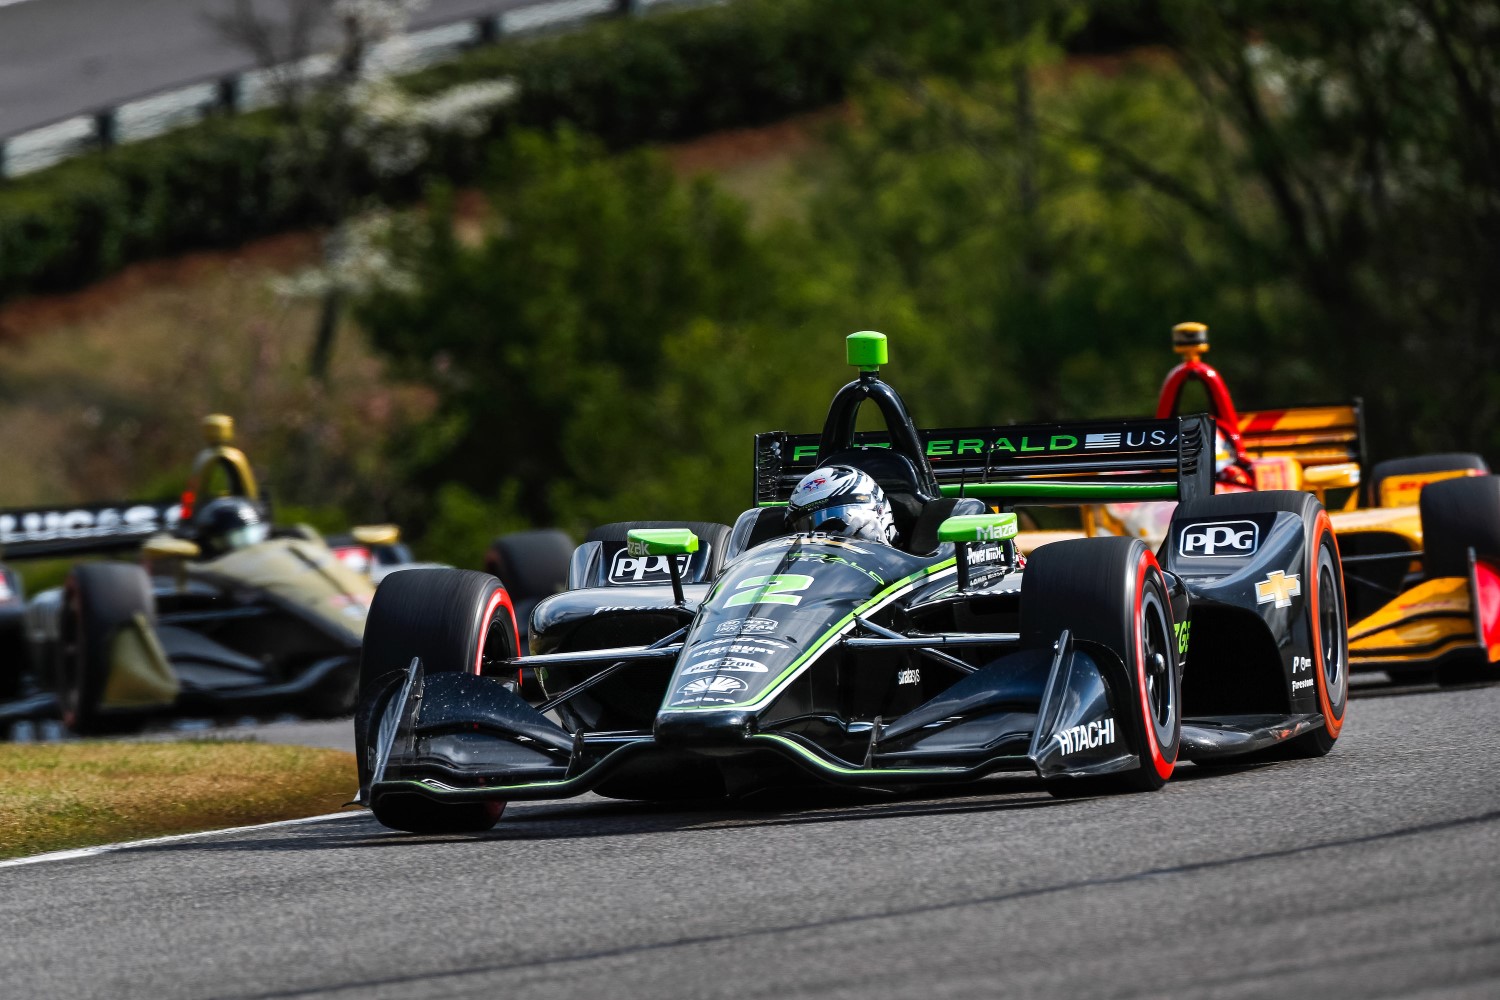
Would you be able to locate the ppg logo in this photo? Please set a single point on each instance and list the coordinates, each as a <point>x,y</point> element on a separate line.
<point>626,568</point>
<point>1224,538</point>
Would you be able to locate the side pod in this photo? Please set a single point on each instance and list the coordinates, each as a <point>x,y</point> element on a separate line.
<point>1057,712</point>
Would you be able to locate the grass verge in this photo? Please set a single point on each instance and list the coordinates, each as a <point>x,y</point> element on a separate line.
<point>56,796</point>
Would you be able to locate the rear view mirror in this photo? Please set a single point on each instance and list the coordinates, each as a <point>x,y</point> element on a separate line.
<point>662,541</point>
<point>670,542</point>
<point>967,529</point>
<point>1332,477</point>
<point>167,547</point>
<point>978,528</point>
<point>376,534</point>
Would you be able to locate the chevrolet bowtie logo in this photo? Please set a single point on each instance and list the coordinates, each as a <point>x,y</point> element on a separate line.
<point>1278,587</point>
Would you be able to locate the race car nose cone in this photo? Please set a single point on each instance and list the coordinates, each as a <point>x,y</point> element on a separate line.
<point>704,730</point>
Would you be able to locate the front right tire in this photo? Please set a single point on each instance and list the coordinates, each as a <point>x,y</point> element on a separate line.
<point>1330,633</point>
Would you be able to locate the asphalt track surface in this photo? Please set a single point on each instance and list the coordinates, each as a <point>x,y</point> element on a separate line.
<point>66,57</point>
<point>1372,872</point>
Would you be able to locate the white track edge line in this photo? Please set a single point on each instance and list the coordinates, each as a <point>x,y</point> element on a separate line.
<point>88,852</point>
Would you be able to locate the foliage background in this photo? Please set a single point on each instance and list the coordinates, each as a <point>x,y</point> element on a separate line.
<point>1025,214</point>
<point>1025,225</point>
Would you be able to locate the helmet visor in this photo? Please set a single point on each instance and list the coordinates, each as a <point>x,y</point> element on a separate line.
<point>249,534</point>
<point>846,514</point>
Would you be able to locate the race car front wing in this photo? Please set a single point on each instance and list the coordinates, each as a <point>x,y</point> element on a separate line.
<point>1056,713</point>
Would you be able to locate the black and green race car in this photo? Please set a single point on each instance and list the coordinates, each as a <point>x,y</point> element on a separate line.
<point>693,660</point>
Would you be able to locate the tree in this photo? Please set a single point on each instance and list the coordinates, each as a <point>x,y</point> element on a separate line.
<point>318,102</point>
<point>1364,139</point>
<point>587,345</point>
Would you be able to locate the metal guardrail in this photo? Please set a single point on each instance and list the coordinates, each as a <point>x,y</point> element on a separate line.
<point>152,114</point>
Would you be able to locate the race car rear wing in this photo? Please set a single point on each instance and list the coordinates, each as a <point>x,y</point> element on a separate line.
<point>83,529</point>
<point>1085,461</point>
<point>1312,435</point>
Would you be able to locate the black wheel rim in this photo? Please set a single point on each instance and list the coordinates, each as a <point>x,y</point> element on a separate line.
<point>1330,628</point>
<point>497,645</point>
<point>1158,661</point>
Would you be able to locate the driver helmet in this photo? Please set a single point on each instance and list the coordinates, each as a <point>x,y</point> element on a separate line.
<point>842,500</point>
<point>227,524</point>
<point>1228,469</point>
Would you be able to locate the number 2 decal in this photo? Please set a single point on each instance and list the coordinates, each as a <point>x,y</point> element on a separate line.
<point>778,589</point>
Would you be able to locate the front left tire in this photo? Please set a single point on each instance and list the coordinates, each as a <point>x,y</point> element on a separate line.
<point>454,621</point>
<point>1111,592</point>
<point>99,599</point>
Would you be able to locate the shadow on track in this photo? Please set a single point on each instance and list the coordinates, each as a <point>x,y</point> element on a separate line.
<point>453,975</point>
<point>1409,688</point>
<point>603,818</point>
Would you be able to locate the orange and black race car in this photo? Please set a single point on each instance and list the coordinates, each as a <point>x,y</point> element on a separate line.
<point>1419,537</point>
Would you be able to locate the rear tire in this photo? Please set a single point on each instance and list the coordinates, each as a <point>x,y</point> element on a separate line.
<point>454,621</point>
<point>98,600</point>
<point>1417,464</point>
<point>531,564</point>
<point>13,644</point>
<point>1110,591</point>
<point>1459,515</point>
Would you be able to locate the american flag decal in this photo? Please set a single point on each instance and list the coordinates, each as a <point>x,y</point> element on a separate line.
<point>1111,440</point>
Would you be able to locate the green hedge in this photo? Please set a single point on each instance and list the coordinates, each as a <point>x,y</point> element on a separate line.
<point>214,184</point>
<point>685,73</point>
<point>669,75</point>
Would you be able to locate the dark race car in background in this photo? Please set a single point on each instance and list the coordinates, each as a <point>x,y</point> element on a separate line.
<point>273,626</point>
<point>705,660</point>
